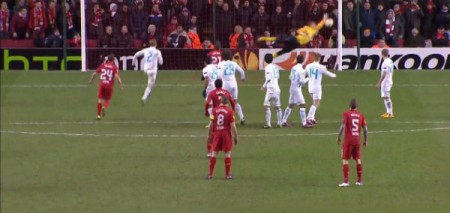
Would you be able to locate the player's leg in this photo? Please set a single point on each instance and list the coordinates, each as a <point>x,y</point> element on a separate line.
<point>215,148</point>
<point>302,105</point>
<point>345,155</point>
<point>209,140</point>
<point>238,108</point>
<point>100,101</point>
<point>277,103</point>
<point>286,114</point>
<point>150,83</point>
<point>228,144</point>
<point>316,96</point>
<point>268,112</point>
<point>356,153</point>
<point>290,44</point>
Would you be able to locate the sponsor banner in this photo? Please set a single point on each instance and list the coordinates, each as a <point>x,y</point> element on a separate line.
<point>404,58</point>
<point>246,58</point>
<point>39,59</point>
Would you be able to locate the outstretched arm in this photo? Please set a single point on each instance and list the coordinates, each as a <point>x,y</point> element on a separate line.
<point>241,71</point>
<point>137,55</point>
<point>92,77</point>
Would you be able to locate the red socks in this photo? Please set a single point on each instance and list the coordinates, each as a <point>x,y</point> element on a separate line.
<point>345,170</point>
<point>359,170</point>
<point>227,166</point>
<point>208,147</point>
<point>212,164</point>
<point>99,109</point>
<point>106,104</point>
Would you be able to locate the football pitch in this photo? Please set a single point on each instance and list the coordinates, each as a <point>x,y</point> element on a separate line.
<point>56,157</point>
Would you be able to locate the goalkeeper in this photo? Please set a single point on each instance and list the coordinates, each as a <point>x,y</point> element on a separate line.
<point>303,36</point>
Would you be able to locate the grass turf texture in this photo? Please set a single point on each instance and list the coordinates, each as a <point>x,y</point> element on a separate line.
<point>152,158</point>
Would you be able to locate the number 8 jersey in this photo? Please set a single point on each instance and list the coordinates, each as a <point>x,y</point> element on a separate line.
<point>222,117</point>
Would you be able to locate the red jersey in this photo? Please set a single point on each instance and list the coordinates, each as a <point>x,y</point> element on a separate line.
<point>222,117</point>
<point>215,96</point>
<point>108,71</point>
<point>216,56</point>
<point>353,121</point>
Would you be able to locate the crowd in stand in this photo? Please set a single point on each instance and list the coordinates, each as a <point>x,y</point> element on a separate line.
<point>235,23</point>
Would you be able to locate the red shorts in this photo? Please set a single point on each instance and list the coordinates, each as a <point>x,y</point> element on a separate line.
<point>221,141</point>
<point>351,151</point>
<point>105,92</point>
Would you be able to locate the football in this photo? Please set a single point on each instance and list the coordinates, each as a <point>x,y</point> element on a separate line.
<point>329,22</point>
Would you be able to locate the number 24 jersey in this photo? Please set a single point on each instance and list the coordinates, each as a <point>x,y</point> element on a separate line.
<point>107,73</point>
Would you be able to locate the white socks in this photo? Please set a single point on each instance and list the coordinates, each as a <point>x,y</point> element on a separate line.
<point>239,111</point>
<point>146,93</point>
<point>303,115</point>
<point>388,105</point>
<point>210,110</point>
<point>312,112</point>
<point>268,116</point>
<point>287,112</point>
<point>279,115</point>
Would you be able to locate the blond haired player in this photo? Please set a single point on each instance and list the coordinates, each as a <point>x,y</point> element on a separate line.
<point>385,83</point>
<point>152,57</point>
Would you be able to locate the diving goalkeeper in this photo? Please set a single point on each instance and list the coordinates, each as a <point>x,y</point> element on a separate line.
<point>303,36</point>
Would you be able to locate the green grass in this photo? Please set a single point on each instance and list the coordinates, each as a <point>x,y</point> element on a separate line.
<point>152,158</point>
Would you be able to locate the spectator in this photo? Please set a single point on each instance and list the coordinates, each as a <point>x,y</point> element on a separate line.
<point>278,21</point>
<point>349,20</point>
<point>75,42</point>
<point>260,21</point>
<point>95,23</point>
<point>317,42</point>
<point>332,42</point>
<point>152,35</point>
<point>428,26</point>
<point>400,21</point>
<point>367,17</point>
<point>19,24</point>
<point>125,39</point>
<point>225,22</point>
<point>267,44</point>
<point>428,43</point>
<point>171,27</point>
<point>4,21</point>
<point>19,5</point>
<point>178,38</point>
<point>54,40</point>
<point>413,16</point>
<point>248,37</point>
<point>443,17</point>
<point>245,14</point>
<point>237,38</point>
<point>70,17</point>
<point>235,6</point>
<point>139,19</point>
<point>298,14</point>
<point>381,44</point>
<point>367,39</point>
<point>325,8</point>
<point>194,38</point>
<point>207,44</point>
<point>113,18</point>
<point>194,23</point>
<point>37,21</point>
<point>380,17</point>
<point>415,40</point>
<point>107,40</point>
<point>125,13</point>
<point>184,18</point>
<point>440,39</point>
<point>157,19</point>
<point>391,30</point>
<point>314,14</point>
<point>51,17</point>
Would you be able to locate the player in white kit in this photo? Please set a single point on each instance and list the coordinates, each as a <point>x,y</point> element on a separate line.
<point>272,89</point>
<point>298,78</point>
<point>315,71</point>
<point>152,57</point>
<point>210,74</point>
<point>385,83</point>
<point>227,70</point>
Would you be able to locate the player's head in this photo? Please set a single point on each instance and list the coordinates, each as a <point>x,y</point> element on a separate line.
<point>385,53</point>
<point>317,56</point>
<point>110,58</point>
<point>268,58</point>
<point>226,55</point>
<point>353,104</point>
<point>208,60</point>
<point>217,45</point>
<point>300,59</point>
<point>224,100</point>
<point>153,43</point>
<point>218,83</point>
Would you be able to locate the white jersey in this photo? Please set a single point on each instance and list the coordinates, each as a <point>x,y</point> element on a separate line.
<point>298,78</point>
<point>227,70</point>
<point>152,57</point>
<point>388,68</point>
<point>315,72</point>
<point>210,72</point>
<point>272,72</point>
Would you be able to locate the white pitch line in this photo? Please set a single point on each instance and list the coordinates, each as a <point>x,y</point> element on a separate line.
<point>203,136</point>
<point>200,85</point>
<point>196,122</point>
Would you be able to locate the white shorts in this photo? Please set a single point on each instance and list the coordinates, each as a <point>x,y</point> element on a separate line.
<point>296,98</point>
<point>151,74</point>
<point>272,99</point>
<point>231,86</point>
<point>316,93</point>
<point>386,90</point>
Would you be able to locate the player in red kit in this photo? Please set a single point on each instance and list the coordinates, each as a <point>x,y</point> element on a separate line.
<point>222,133</point>
<point>352,122</point>
<point>108,72</point>
<point>213,100</point>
